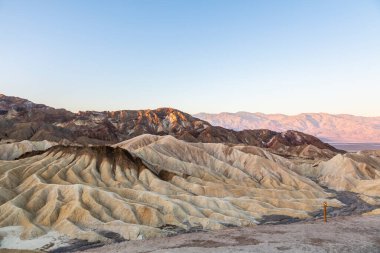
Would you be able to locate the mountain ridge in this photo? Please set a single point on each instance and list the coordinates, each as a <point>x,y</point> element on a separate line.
<point>328,127</point>
<point>21,119</point>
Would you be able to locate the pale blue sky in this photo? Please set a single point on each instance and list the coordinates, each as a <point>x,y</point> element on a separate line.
<point>197,56</point>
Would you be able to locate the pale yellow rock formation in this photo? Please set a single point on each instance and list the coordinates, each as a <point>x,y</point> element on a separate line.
<point>81,191</point>
<point>373,212</point>
<point>355,172</point>
<point>11,151</point>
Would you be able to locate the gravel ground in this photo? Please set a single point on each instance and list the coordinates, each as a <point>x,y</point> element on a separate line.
<point>339,234</point>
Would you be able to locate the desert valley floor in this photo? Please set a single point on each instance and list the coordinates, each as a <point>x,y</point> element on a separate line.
<point>340,234</point>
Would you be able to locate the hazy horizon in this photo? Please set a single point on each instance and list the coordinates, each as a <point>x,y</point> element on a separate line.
<point>273,57</point>
<point>255,112</point>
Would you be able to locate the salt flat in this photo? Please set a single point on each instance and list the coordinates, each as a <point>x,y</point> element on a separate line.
<point>353,147</point>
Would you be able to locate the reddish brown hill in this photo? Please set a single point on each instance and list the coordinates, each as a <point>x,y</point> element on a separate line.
<point>21,119</point>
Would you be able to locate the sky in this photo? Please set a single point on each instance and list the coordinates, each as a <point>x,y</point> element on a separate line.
<point>270,56</point>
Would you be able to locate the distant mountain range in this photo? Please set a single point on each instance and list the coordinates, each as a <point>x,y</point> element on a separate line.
<point>21,119</point>
<point>328,127</point>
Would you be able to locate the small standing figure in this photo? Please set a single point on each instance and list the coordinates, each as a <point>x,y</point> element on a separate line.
<point>325,211</point>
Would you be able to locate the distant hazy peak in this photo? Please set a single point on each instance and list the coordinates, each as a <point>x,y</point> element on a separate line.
<point>330,127</point>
